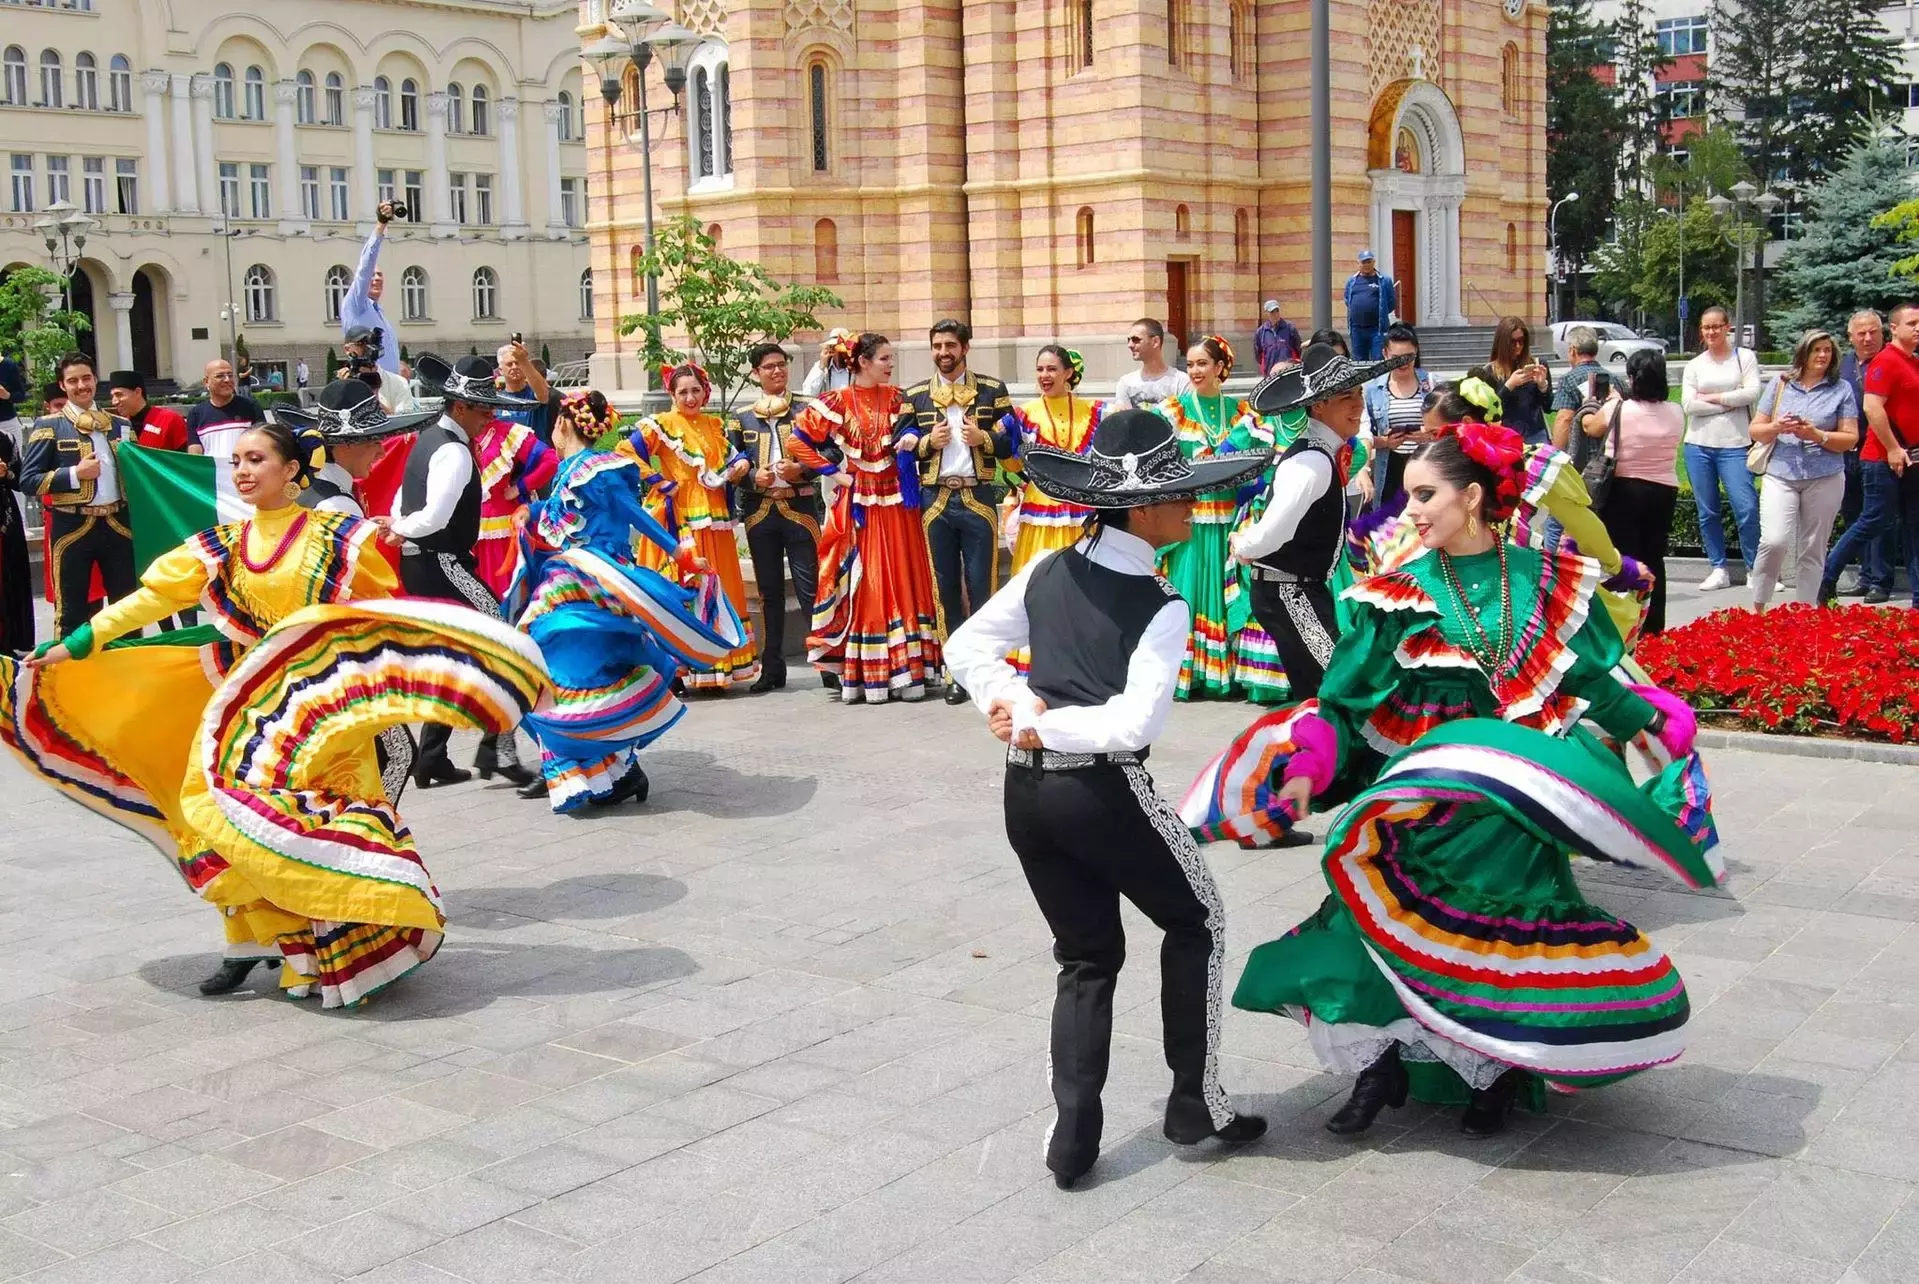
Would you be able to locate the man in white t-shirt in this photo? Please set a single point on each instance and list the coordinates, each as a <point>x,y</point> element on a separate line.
<point>1154,381</point>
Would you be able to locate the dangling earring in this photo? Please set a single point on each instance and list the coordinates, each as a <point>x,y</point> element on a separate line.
<point>291,490</point>
<point>1472,526</point>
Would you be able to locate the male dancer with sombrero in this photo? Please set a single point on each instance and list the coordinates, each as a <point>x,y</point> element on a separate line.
<point>1107,634</point>
<point>349,417</point>
<point>1294,545</point>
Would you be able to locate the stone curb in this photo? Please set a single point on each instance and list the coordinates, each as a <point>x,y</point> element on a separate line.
<point>1809,747</point>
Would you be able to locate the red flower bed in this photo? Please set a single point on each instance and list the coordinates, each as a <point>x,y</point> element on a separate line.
<point>1802,670</point>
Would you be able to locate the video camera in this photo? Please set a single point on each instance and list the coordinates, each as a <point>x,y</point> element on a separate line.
<point>364,365</point>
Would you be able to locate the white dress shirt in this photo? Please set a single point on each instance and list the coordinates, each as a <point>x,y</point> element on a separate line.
<point>1132,720</point>
<point>1297,483</point>
<point>956,459</point>
<point>339,503</point>
<point>446,477</point>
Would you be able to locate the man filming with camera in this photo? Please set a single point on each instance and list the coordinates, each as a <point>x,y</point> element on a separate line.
<point>360,310</point>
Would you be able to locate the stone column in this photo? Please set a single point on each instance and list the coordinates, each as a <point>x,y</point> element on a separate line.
<point>556,228</point>
<point>204,160</point>
<point>439,198</point>
<point>122,305</point>
<point>183,173</point>
<point>368,192</point>
<point>293,219</point>
<point>1455,313</point>
<point>153,87</point>
<point>513,215</point>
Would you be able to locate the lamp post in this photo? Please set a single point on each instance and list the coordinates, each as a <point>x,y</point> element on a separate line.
<point>1744,237</point>
<point>65,232</point>
<point>1552,243</point>
<point>230,311</point>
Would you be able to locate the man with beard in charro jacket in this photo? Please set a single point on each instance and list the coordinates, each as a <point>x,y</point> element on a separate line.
<point>779,504</point>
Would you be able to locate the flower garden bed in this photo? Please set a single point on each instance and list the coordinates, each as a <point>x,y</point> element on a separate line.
<point>1797,670</point>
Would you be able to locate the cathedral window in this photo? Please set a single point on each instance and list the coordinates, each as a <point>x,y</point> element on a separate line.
<point>1242,238</point>
<point>826,251</point>
<point>1079,33</point>
<point>1240,36</point>
<point>710,130</point>
<point>1083,236</point>
<point>1509,93</point>
<point>817,114</point>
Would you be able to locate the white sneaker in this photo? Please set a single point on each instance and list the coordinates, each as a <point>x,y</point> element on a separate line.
<point>1720,578</point>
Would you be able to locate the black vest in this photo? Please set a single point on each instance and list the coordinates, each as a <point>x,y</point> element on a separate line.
<point>462,530</point>
<point>318,491</point>
<point>1314,549</point>
<point>1084,622</point>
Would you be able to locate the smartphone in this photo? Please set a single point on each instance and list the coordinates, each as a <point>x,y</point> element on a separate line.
<point>1602,385</point>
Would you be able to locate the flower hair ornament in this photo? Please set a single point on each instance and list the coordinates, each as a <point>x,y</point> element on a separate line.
<point>670,373</point>
<point>1077,367</point>
<point>838,347</point>
<point>1499,450</point>
<point>591,421</point>
<point>1482,394</point>
<point>1224,347</point>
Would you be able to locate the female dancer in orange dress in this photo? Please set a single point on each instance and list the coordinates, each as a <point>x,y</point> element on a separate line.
<point>689,448</point>
<point>1063,420</point>
<point>875,623</point>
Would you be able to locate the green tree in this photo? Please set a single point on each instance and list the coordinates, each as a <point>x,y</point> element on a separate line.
<point>1753,77</point>
<point>1844,86</point>
<point>1642,271</point>
<point>1637,63</point>
<point>1845,257</point>
<point>34,329</point>
<point>1582,128</point>
<point>722,304</point>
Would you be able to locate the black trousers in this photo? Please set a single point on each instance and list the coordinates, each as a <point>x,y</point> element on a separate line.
<point>1303,627</point>
<point>780,539</point>
<point>81,543</point>
<point>1086,838</point>
<point>450,577</point>
<point>1638,515</point>
<point>962,537</point>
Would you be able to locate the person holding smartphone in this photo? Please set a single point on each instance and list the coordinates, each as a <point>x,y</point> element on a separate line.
<point>1639,503</point>
<point>1393,422</point>
<point>1525,384</point>
<point>1810,417</point>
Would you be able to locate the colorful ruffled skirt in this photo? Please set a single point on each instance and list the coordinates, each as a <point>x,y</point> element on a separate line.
<point>257,776</point>
<point>876,620</point>
<point>720,547</point>
<point>1227,653</point>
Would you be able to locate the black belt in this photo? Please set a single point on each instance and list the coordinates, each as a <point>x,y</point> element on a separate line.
<point>1048,760</point>
<point>1274,575</point>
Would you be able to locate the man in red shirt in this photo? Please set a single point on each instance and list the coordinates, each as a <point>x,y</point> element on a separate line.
<point>154,426</point>
<point>1887,469</point>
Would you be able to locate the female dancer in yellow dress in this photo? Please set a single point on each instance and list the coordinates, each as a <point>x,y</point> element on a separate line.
<point>1063,420</point>
<point>245,750</point>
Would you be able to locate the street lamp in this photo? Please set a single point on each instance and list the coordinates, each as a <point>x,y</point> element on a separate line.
<point>65,232</point>
<point>1745,237</point>
<point>230,313</point>
<point>1552,245</point>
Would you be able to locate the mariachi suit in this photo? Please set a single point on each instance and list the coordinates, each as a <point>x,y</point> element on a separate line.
<point>962,522</point>
<point>1292,550</point>
<point>86,518</point>
<point>782,522</point>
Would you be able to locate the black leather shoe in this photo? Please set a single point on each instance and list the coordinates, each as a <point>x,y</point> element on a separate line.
<point>1486,1116</point>
<point>1067,1180</point>
<point>1381,1084</point>
<point>232,972</point>
<point>427,775</point>
<point>633,787</point>
<point>514,774</point>
<point>831,681</point>
<point>534,788</point>
<point>956,694</point>
<point>769,680</point>
<point>1241,1129</point>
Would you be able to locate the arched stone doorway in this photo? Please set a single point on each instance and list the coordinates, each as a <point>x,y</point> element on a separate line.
<point>1416,161</point>
<point>148,294</point>
<point>80,298</point>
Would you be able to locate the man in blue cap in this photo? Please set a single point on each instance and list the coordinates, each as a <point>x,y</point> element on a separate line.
<point>1371,300</point>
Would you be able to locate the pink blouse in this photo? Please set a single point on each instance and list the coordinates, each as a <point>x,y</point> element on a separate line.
<point>1650,433</point>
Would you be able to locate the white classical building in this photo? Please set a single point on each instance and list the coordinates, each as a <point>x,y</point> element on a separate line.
<point>224,165</point>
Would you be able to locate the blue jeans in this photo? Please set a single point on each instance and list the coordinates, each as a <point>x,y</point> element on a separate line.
<point>1365,341</point>
<point>1887,496</point>
<point>1709,468</point>
<point>1876,556</point>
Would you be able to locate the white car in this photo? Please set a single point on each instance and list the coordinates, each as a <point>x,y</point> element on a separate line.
<point>1616,343</point>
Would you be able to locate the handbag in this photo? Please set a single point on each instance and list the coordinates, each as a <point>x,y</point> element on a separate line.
<point>1759,454</point>
<point>1598,471</point>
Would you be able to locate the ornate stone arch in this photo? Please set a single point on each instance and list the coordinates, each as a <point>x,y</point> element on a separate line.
<point>1416,162</point>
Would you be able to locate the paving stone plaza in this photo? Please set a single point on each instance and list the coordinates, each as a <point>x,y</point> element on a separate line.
<point>787,1023</point>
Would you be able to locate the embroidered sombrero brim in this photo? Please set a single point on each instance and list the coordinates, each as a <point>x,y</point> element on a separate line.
<point>355,425</point>
<point>1100,482</point>
<point>1289,389</point>
<point>439,379</point>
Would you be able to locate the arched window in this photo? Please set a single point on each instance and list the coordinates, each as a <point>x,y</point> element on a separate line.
<point>565,101</point>
<point>1509,79</point>
<point>382,103</point>
<point>629,93</point>
<point>120,84</point>
<point>1239,35</point>
<point>409,105</point>
<point>826,251</point>
<point>86,82</point>
<point>51,94</point>
<point>1176,32</point>
<point>1512,247</point>
<point>486,294</point>
<point>637,277</point>
<point>482,123</point>
<point>714,233</point>
<point>14,63</point>
<point>710,130</point>
<point>1079,33</point>
<point>1083,236</point>
<point>256,94</point>
<point>455,109</point>
<point>306,99</point>
<point>1242,237</point>
<point>586,295</point>
<point>817,107</point>
<point>259,292</point>
<point>338,282</point>
<point>223,91</point>
<point>335,99</point>
<point>1182,222</point>
<point>413,294</point>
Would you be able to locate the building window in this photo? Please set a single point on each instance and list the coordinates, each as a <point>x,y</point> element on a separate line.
<point>1786,223</point>
<point>1509,91</point>
<point>456,196</point>
<point>1079,33</point>
<point>482,123</point>
<point>629,101</point>
<point>310,191</point>
<point>1678,36</point>
<point>486,295</point>
<point>306,105</point>
<point>229,189</point>
<point>1239,35</point>
<point>120,84</point>
<point>483,199</point>
<point>711,133</point>
<point>1176,32</point>
<point>260,190</point>
<point>455,109</point>
<point>86,82</point>
<point>59,179</point>
<point>258,288</point>
<point>817,107</point>
<point>13,89</point>
<point>1083,236</point>
<point>339,194</point>
<point>586,295</point>
<point>126,176</point>
<point>415,196</point>
<point>409,106</point>
<point>636,279</point>
<point>570,202</point>
<point>413,294</point>
<point>338,281</point>
<point>382,103</point>
<point>1512,247</point>
<point>50,80</point>
<point>565,101</point>
<point>1182,222</point>
<point>256,94</point>
<point>22,183</point>
<point>1242,237</point>
<point>826,251</point>
<point>335,99</point>
<point>223,91</point>
<point>714,233</point>
<point>1679,99</point>
<point>93,184</point>
<point>383,186</point>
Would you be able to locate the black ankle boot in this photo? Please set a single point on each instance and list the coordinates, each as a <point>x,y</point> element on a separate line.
<point>534,788</point>
<point>1381,1084</point>
<point>633,786</point>
<point>1237,1131</point>
<point>232,972</point>
<point>1486,1116</point>
<point>427,775</point>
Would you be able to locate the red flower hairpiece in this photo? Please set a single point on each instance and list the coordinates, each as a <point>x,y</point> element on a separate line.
<point>668,373</point>
<point>1224,347</point>
<point>1501,451</point>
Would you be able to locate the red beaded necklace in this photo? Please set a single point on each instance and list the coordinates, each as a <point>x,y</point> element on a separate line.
<point>273,559</point>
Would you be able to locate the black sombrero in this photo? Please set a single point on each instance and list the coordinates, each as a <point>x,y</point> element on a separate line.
<point>471,379</point>
<point>1322,372</point>
<point>349,410</point>
<point>1134,459</point>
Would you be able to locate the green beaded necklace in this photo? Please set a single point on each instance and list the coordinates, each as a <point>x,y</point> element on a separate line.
<point>1495,659</point>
